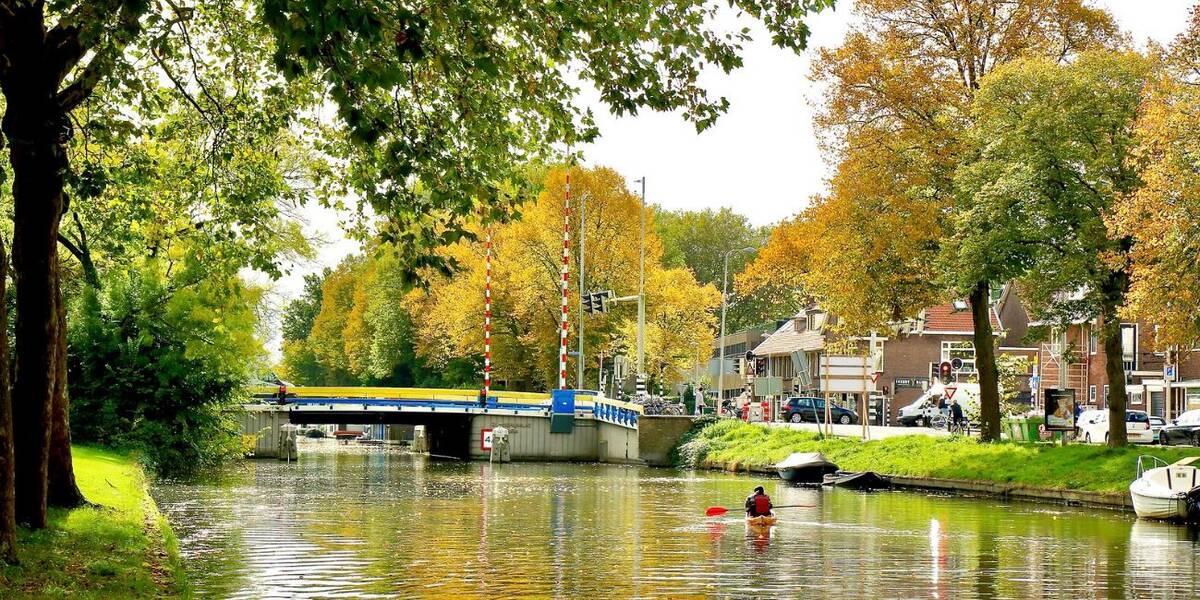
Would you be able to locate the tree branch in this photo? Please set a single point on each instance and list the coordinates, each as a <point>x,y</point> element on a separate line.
<point>128,27</point>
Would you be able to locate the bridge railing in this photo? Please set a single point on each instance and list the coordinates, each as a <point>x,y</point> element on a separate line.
<point>612,411</point>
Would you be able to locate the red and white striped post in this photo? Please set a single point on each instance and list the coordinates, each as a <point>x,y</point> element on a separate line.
<point>562,346</point>
<point>487,316</point>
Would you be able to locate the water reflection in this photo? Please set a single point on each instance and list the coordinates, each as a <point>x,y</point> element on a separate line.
<point>379,524</point>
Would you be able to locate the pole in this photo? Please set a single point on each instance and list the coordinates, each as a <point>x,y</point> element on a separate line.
<point>487,316</point>
<point>641,332</point>
<point>566,261</point>
<point>579,359</point>
<point>863,416</point>
<point>721,341</point>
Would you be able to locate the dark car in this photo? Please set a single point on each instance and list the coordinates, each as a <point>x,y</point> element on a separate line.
<point>813,409</point>
<point>1183,430</point>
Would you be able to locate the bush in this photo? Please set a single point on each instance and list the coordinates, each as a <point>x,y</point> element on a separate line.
<point>157,364</point>
<point>315,434</point>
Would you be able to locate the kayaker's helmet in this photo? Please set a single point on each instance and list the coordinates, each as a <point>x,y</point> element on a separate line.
<point>759,490</point>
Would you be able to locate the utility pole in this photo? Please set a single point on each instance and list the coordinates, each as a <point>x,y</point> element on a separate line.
<point>641,331</point>
<point>579,359</point>
<point>721,341</point>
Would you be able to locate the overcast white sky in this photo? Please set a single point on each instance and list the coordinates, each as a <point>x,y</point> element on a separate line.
<point>761,158</point>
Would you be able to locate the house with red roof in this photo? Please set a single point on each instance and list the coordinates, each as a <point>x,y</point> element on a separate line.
<point>907,357</point>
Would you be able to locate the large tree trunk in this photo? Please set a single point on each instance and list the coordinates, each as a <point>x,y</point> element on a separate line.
<point>8,495</point>
<point>1114,368</point>
<point>36,136</point>
<point>985,364</point>
<point>62,489</point>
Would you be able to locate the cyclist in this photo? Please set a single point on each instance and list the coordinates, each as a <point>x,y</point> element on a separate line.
<point>957,421</point>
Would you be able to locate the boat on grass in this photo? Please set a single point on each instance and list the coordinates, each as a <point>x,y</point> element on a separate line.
<point>805,467</point>
<point>1166,491</point>
<point>863,480</point>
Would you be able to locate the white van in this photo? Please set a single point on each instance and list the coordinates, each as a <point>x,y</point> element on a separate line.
<point>929,404</point>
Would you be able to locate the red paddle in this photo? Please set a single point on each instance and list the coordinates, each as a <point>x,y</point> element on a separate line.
<point>716,511</point>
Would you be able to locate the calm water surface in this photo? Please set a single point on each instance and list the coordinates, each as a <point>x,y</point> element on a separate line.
<point>351,522</point>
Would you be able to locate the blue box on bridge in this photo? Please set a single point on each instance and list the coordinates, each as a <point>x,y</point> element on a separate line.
<point>562,411</point>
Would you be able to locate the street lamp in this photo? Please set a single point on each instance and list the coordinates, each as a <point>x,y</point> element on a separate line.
<point>721,341</point>
<point>641,330</point>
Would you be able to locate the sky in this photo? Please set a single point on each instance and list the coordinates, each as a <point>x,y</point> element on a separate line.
<point>760,159</point>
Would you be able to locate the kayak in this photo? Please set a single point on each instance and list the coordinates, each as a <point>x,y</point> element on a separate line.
<point>762,521</point>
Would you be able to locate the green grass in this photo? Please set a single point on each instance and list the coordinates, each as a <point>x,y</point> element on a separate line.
<point>121,548</point>
<point>1075,467</point>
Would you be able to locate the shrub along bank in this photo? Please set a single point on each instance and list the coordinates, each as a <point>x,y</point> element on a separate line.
<point>119,548</point>
<point>735,445</point>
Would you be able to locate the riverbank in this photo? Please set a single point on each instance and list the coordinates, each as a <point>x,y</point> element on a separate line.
<point>120,548</point>
<point>1074,473</point>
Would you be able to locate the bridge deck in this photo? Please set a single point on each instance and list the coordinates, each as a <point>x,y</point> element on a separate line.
<point>421,400</point>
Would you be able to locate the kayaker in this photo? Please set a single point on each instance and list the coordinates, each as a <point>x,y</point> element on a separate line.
<point>758,504</point>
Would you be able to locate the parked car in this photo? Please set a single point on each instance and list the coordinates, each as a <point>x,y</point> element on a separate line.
<point>1183,430</point>
<point>1093,425</point>
<point>813,409</point>
<point>1156,425</point>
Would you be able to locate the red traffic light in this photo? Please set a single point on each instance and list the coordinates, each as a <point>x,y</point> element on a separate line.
<point>945,369</point>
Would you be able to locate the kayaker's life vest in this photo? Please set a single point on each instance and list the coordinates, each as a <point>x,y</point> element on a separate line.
<point>762,505</point>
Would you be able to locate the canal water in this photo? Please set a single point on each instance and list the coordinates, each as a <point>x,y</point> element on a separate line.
<point>358,522</point>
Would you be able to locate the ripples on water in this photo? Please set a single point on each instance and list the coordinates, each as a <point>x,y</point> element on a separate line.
<point>365,523</point>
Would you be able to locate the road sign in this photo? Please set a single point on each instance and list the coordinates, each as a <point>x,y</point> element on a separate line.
<point>1169,372</point>
<point>950,392</point>
<point>485,439</point>
<point>875,377</point>
<point>956,363</point>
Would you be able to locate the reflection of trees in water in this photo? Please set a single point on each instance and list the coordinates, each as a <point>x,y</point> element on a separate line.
<point>375,522</point>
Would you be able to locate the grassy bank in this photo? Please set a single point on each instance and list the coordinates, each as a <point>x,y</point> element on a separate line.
<point>121,548</point>
<point>1075,467</point>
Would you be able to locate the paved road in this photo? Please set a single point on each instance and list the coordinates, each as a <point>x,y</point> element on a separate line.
<point>876,433</point>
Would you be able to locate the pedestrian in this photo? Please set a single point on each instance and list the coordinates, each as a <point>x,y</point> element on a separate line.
<point>758,504</point>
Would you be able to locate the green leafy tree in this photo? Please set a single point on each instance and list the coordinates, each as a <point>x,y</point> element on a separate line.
<point>440,103</point>
<point>158,363</point>
<point>1055,154</point>
<point>699,241</point>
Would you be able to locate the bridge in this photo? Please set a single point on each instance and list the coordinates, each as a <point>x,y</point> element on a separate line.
<point>561,425</point>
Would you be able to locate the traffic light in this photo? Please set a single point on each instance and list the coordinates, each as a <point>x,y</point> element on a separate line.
<point>944,371</point>
<point>597,302</point>
<point>737,365</point>
<point>589,303</point>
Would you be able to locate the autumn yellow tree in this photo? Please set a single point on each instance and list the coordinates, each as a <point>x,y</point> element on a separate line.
<point>1163,216</point>
<point>526,292</point>
<point>898,103</point>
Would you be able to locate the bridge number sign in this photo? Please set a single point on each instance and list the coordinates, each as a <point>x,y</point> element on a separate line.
<point>485,439</point>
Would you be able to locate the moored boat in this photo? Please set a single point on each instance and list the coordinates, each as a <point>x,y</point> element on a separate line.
<point>864,480</point>
<point>1163,491</point>
<point>805,467</point>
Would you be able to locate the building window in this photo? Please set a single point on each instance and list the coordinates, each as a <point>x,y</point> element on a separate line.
<point>1129,348</point>
<point>1092,343</point>
<point>964,351</point>
<point>1091,394</point>
<point>1105,392</point>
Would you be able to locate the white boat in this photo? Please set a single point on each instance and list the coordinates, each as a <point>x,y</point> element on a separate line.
<point>805,467</point>
<point>1163,491</point>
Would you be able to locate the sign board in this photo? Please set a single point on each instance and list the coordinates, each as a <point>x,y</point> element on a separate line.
<point>845,374</point>
<point>1060,409</point>
<point>485,439</point>
<point>949,392</point>
<point>875,377</point>
<point>1169,372</point>
<point>768,386</point>
<point>919,383</point>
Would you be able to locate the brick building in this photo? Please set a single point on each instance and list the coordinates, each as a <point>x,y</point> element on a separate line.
<point>1077,347</point>
<point>788,358</point>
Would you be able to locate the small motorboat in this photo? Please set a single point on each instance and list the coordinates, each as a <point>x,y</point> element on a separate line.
<point>761,521</point>
<point>1163,491</point>
<point>805,467</point>
<point>863,480</point>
